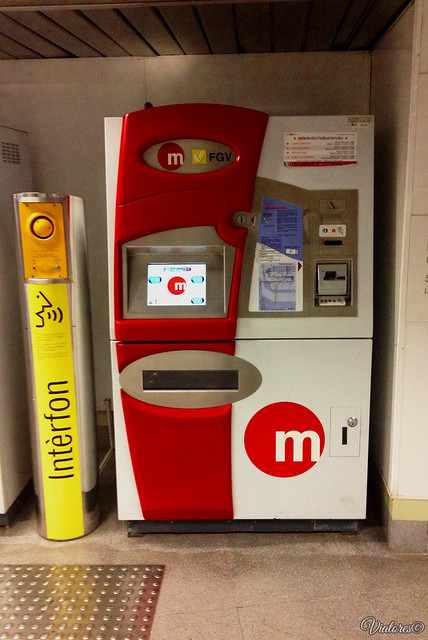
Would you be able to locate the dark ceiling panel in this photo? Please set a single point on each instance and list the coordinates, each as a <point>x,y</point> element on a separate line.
<point>325,20</point>
<point>13,49</point>
<point>355,15</point>
<point>253,22</point>
<point>290,25</point>
<point>184,23</point>
<point>5,56</point>
<point>219,26</point>
<point>47,28</point>
<point>84,29</point>
<point>378,18</point>
<point>120,31</point>
<point>153,29</point>
<point>90,28</point>
<point>32,41</point>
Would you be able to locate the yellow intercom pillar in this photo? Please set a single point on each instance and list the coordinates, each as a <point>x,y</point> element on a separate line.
<point>52,244</point>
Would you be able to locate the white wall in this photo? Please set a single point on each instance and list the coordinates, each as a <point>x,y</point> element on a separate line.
<point>391,104</point>
<point>400,399</point>
<point>411,479</point>
<point>62,104</point>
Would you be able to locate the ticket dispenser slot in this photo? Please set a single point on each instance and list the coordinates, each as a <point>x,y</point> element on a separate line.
<point>333,284</point>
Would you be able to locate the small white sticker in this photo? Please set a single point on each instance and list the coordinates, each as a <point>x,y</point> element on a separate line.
<point>332,230</point>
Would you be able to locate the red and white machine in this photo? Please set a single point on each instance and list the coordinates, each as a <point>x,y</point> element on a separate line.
<point>240,262</point>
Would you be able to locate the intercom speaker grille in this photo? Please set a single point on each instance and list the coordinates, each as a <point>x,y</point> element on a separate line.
<point>10,152</point>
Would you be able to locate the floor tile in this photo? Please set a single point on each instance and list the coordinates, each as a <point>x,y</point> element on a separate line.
<point>249,586</point>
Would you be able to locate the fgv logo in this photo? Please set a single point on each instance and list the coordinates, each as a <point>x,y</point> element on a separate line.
<point>284,439</point>
<point>199,156</point>
<point>171,156</point>
<point>189,156</point>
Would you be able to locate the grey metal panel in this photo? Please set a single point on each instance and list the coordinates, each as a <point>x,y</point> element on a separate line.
<point>29,39</point>
<point>84,29</point>
<point>148,22</point>
<point>183,21</point>
<point>198,245</point>
<point>44,26</point>
<point>219,26</point>
<point>114,25</point>
<point>132,379</point>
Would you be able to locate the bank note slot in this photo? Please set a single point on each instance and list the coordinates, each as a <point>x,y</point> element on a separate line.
<point>191,380</point>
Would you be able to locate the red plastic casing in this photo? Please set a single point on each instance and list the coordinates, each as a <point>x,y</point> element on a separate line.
<point>181,458</point>
<point>150,200</point>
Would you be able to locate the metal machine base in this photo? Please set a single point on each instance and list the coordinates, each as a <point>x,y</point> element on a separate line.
<point>78,602</point>
<point>140,527</point>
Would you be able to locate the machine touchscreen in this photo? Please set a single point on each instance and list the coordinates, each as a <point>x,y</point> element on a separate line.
<point>176,284</point>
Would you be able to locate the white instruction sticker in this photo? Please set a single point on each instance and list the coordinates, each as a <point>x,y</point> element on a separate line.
<point>319,149</point>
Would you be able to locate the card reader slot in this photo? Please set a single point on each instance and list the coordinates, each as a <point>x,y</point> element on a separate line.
<point>190,380</point>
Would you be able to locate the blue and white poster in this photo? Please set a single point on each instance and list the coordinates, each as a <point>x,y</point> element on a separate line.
<point>278,260</point>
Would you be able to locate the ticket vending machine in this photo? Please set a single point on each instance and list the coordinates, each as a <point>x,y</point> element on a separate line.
<point>240,262</point>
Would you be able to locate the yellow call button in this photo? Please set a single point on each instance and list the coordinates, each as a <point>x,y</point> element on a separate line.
<point>42,227</point>
<point>43,238</point>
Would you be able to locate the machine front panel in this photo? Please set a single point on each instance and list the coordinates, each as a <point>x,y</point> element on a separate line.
<point>242,307</point>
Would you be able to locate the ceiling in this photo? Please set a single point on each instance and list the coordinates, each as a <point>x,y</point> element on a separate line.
<point>32,29</point>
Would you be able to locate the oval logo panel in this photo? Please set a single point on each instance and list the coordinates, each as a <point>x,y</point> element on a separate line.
<point>189,156</point>
<point>284,439</point>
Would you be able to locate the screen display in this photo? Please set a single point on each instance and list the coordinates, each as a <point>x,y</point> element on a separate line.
<point>176,285</point>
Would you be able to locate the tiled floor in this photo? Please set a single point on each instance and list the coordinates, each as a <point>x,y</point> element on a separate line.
<point>316,586</point>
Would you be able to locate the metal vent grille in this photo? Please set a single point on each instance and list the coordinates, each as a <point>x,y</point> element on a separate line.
<point>10,152</point>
